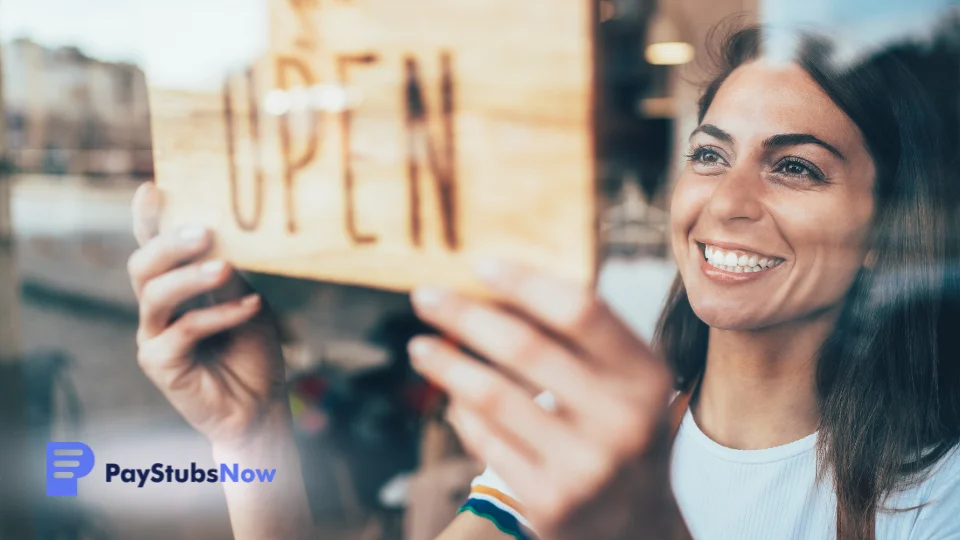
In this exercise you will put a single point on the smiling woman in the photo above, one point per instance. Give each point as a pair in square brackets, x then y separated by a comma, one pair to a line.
[838, 175]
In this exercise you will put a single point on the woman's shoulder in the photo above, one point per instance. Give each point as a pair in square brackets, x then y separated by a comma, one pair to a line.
[938, 498]
[945, 473]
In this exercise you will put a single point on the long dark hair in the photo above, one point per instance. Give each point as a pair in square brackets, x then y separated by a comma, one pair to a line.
[888, 376]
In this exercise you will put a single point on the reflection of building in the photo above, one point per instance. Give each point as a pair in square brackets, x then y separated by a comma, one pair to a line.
[68, 113]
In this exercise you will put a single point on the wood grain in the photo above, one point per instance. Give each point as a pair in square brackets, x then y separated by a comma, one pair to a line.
[467, 133]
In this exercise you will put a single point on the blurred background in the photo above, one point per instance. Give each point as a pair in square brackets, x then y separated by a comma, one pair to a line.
[74, 145]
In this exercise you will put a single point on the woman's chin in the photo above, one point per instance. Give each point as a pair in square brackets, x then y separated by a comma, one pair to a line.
[723, 316]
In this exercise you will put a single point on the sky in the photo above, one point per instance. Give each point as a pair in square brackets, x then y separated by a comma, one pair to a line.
[103, 28]
[862, 26]
[212, 35]
[866, 20]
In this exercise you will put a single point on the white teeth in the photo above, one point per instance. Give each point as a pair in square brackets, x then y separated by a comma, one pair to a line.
[732, 262]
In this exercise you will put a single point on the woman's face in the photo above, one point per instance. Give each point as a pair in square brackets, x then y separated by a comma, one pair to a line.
[770, 217]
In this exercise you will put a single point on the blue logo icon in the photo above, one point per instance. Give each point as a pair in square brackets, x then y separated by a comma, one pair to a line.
[67, 462]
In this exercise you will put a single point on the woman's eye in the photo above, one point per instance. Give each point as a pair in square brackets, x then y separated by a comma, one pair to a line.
[792, 167]
[705, 157]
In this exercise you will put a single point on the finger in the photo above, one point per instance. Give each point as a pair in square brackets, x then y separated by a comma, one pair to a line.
[162, 295]
[510, 342]
[454, 418]
[235, 287]
[502, 403]
[572, 311]
[146, 205]
[168, 354]
[516, 468]
[617, 409]
[164, 253]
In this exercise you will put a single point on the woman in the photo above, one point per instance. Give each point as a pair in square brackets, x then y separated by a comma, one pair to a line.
[808, 330]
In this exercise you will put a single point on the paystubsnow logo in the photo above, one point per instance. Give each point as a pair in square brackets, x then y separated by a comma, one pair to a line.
[67, 462]
[165, 474]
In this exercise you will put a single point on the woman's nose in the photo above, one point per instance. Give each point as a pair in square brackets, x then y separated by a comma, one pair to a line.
[737, 196]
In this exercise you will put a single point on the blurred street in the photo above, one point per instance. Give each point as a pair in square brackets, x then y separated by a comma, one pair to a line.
[74, 234]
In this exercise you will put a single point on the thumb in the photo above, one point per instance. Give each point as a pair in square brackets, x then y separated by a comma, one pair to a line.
[147, 205]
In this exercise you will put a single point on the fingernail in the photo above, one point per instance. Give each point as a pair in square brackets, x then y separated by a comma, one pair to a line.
[192, 234]
[428, 297]
[490, 270]
[212, 268]
[420, 347]
[250, 300]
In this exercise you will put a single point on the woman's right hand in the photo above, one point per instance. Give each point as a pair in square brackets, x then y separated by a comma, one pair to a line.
[219, 362]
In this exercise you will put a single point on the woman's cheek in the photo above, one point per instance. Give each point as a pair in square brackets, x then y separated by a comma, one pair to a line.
[684, 210]
[828, 258]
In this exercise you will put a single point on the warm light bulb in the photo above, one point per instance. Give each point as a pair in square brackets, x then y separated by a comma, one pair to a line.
[671, 53]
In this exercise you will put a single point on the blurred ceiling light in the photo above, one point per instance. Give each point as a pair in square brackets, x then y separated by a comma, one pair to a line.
[657, 107]
[666, 45]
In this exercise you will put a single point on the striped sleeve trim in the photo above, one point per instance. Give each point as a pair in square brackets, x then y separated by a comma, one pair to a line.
[499, 496]
[503, 519]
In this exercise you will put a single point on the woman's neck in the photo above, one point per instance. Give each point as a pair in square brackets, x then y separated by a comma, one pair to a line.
[759, 387]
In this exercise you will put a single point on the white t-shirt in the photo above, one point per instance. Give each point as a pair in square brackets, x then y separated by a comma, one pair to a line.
[773, 493]
[727, 494]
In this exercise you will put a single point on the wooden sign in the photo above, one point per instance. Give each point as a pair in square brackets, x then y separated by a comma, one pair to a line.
[389, 143]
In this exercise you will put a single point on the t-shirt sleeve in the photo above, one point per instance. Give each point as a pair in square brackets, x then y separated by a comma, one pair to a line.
[492, 499]
[939, 518]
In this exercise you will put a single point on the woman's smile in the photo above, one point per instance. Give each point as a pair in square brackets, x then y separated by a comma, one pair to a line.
[728, 263]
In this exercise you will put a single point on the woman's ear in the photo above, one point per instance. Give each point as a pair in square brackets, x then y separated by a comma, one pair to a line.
[870, 260]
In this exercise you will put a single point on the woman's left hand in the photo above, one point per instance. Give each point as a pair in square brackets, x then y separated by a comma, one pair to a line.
[597, 466]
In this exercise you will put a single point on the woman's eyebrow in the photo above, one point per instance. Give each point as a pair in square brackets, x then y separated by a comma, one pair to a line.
[794, 139]
[713, 131]
[776, 141]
